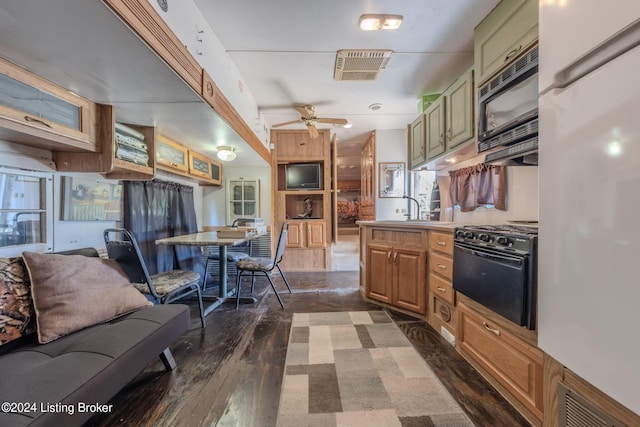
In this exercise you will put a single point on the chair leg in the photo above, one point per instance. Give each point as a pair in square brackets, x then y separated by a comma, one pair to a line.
[201, 306]
[253, 281]
[286, 282]
[275, 290]
[238, 281]
[206, 274]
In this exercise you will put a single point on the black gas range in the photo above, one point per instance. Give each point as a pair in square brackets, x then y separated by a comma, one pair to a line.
[495, 265]
[509, 238]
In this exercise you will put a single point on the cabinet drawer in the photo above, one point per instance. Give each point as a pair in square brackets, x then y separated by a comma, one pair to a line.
[442, 265]
[441, 242]
[441, 288]
[442, 314]
[517, 366]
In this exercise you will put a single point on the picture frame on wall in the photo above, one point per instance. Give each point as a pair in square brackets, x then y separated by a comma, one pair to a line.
[90, 200]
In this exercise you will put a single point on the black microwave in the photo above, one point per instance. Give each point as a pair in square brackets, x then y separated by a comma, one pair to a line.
[508, 105]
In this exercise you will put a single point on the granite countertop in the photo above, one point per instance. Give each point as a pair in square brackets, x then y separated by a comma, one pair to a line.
[428, 225]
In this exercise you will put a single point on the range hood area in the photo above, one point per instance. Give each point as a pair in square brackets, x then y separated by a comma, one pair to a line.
[523, 153]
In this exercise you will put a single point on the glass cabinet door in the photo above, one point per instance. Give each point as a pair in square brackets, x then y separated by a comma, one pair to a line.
[243, 199]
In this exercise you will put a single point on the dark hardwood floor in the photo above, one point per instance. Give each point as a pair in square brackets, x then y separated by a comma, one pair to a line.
[230, 373]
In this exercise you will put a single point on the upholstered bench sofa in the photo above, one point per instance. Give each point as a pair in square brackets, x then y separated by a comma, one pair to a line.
[82, 364]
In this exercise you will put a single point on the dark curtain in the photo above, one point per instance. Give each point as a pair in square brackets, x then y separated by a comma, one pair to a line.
[158, 209]
[479, 185]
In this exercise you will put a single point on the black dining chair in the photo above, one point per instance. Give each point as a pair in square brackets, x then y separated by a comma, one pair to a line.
[253, 265]
[161, 288]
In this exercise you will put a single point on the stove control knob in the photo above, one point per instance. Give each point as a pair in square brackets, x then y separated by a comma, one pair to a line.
[502, 241]
[469, 235]
[459, 233]
[484, 237]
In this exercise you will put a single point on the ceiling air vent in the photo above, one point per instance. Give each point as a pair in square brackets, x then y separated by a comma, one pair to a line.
[361, 64]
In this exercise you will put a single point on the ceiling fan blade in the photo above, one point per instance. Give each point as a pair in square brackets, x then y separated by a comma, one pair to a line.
[333, 121]
[306, 110]
[286, 123]
[313, 132]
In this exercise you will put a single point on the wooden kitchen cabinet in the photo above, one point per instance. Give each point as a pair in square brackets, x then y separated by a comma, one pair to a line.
[460, 107]
[171, 155]
[511, 364]
[396, 261]
[417, 148]
[306, 234]
[37, 112]
[450, 119]
[397, 276]
[442, 309]
[510, 29]
[208, 171]
[435, 125]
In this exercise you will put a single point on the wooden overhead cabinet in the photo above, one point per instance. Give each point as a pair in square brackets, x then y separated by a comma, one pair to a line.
[417, 149]
[36, 112]
[510, 29]
[113, 160]
[450, 119]
[207, 170]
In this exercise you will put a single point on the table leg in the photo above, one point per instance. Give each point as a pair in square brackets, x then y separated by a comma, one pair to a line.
[223, 293]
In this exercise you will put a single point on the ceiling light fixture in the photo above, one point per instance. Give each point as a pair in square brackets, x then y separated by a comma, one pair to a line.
[380, 22]
[347, 125]
[226, 153]
[375, 107]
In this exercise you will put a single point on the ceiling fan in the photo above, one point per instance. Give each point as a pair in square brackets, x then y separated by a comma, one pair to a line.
[309, 118]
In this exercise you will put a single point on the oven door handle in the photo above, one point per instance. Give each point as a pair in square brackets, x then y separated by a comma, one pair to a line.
[490, 255]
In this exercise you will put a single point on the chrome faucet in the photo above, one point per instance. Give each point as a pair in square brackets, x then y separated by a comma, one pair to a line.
[417, 207]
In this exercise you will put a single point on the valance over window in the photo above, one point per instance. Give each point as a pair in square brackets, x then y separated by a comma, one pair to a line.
[479, 185]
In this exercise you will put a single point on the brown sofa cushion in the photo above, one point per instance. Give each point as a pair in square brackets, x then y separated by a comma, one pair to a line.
[16, 307]
[72, 292]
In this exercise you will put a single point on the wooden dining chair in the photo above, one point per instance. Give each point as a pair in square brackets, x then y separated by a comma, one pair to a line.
[161, 288]
[259, 265]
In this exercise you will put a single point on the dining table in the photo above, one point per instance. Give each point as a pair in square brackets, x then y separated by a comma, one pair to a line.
[211, 238]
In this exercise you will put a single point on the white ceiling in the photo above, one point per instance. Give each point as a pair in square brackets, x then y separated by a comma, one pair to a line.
[286, 49]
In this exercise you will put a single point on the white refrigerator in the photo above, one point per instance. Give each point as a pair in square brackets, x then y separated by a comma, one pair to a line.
[589, 192]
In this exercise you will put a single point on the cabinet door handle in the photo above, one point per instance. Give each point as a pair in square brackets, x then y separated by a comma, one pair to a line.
[389, 257]
[449, 134]
[490, 329]
[395, 258]
[442, 266]
[441, 243]
[511, 53]
[441, 289]
[441, 138]
[32, 119]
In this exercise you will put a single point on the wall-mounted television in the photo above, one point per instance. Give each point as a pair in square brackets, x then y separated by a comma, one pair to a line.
[303, 176]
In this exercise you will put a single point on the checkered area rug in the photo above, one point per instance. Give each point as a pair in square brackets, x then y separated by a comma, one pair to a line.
[358, 369]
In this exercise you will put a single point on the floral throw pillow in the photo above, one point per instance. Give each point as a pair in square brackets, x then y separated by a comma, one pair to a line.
[16, 305]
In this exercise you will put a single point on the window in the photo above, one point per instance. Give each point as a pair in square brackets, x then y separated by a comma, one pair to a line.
[422, 183]
[25, 223]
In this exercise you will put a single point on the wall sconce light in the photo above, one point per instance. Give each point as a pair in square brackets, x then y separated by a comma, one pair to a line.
[380, 22]
[226, 153]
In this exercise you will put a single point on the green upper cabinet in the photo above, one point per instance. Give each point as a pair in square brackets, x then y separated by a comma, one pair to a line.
[460, 107]
[435, 128]
[417, 150]
[510, 28]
